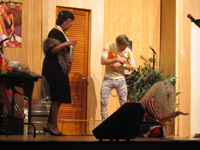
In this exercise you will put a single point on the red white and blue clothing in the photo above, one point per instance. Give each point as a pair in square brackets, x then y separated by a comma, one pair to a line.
[149, 122]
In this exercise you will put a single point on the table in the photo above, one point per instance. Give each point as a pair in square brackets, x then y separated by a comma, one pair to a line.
[24, 81]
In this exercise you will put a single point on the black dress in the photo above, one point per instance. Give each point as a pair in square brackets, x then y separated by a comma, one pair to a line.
[58, 82]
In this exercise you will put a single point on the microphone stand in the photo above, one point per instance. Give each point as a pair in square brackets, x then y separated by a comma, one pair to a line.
[196, 21]
[1, 43]
[153, 60]
[154, 53]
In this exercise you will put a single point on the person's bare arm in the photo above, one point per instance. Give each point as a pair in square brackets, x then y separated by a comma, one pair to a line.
[106, 61]
[59, 47]
[12, 27]
[129, 67]
[172, 115]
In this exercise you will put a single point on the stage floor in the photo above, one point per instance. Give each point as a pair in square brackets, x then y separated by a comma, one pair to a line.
[89, 142]
[90, 138]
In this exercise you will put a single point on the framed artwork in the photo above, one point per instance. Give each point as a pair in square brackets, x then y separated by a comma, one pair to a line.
[10, 23]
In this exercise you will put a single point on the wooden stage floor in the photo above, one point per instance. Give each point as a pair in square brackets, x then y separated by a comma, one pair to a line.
[88, 142]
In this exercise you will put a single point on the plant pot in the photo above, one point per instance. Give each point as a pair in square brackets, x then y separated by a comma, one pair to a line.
[169, 127]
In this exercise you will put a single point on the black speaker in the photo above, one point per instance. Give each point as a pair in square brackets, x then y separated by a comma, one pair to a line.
[122, 124]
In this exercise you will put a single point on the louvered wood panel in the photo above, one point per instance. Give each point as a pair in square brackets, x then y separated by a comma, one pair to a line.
[77, 109]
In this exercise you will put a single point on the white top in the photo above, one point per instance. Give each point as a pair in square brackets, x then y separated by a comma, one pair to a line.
[111, 72]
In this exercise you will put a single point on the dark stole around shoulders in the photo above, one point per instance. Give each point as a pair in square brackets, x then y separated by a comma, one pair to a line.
[54, 33]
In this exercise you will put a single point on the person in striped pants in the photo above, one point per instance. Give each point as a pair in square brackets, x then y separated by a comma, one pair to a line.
[115, 63]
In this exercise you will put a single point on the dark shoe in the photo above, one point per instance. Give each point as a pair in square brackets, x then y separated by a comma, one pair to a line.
[46, 130]
[59, 134]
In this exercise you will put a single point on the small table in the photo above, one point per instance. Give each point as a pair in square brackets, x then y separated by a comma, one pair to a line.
[27, 81]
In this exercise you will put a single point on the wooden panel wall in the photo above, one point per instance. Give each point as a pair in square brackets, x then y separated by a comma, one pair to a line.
[31, 51]
[168, 42]
[177, 52]
[168, 37]
[140, 21]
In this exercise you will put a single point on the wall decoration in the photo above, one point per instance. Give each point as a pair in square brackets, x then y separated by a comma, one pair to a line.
[10, 24]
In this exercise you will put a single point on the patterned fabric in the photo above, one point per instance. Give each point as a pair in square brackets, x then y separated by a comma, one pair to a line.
[151, 111]
[151, 114]
[147, 127]
[106, 88]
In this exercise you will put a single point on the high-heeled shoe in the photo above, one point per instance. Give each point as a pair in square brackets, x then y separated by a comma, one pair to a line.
[59, 134]
[46, 130]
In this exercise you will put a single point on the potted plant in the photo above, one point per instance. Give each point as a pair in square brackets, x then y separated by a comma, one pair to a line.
[142, 79]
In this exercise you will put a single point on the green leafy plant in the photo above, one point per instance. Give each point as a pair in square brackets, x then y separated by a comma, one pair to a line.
[143, 78]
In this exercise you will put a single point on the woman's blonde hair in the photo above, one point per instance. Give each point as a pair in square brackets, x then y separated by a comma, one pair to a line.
[6, 7]
[164, 94]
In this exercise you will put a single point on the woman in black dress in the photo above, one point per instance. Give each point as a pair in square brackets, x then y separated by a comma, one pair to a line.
[58, 50]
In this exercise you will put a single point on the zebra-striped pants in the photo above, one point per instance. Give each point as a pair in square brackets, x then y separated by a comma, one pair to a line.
[106, 88]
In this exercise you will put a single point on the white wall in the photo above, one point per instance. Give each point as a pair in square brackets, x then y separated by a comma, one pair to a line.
[195, 79]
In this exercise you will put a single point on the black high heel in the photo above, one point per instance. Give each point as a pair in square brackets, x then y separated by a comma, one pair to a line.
[59, 134]
[46, 130]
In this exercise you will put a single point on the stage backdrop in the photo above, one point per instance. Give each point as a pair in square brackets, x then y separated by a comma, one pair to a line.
[195, 82]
